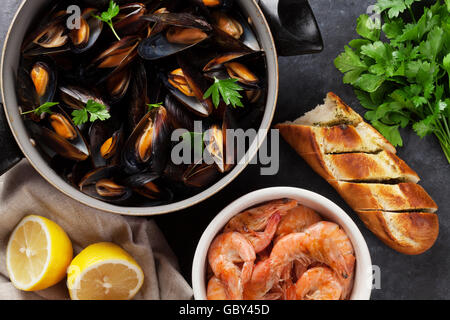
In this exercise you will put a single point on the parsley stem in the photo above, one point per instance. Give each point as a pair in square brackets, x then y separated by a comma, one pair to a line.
[110, 24]
[412, 14]
[27, 112]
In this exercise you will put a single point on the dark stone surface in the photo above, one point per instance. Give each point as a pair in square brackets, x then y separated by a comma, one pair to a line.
[304, 81]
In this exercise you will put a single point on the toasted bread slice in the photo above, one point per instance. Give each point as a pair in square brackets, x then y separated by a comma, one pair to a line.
[333, 112]
[361, 167]
[407, 232]
[337, 139]
[385, 197]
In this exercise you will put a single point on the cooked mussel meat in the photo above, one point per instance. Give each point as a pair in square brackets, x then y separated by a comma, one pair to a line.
[49, 38]
[115, 58]
[148, 146]
[185, 31]
[84, 37]
[214, 145]
[228, 24]
[62, 126]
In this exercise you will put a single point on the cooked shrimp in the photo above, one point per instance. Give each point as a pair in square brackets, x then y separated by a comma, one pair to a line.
[332, 242]
[296, 220]
[261, 240]
[216, 290]
[318, 283]
[323, 242]
[256, 219]
[262, 281]
[226, 251]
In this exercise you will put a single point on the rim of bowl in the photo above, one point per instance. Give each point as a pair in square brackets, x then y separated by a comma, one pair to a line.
[43, 168]
[363, 273]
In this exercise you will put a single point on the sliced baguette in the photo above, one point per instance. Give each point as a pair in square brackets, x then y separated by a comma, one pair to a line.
[385, 197]
[407, 232]
[333, 112]
[361, 167]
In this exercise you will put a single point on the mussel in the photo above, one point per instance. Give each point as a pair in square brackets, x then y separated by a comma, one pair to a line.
[200, 174]
[185, 31]
[137, 98]
[119, 55]
[48, 38]
[105, 184]
[214, 145]
[147, 149]
[86, 36]
[117, 85]
[77, 97]
[106, 141]
[60, 137]
[36, 84]
[128, 22]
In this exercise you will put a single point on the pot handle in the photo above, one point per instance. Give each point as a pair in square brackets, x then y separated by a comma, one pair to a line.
[293, 26]
[10, 153]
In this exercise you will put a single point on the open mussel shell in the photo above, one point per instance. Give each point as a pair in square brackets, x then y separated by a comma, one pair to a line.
[147, 149]
[196, 83]
[106, 143]
[119, 55]
[200, 174]
[219, 61]
[234, 70]
[49, 38]
[77, 97]
[105, 184]
[36, 85]
[148, 186]
[128, 22]
[184, 32]
[86, 36]
[214, 145]
[60, 137]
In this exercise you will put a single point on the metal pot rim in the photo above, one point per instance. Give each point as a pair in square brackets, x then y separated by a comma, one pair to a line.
[47, 173]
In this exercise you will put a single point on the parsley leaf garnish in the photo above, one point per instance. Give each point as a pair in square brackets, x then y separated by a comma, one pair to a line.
[92, 112]
[404, 80]
[154, 105]
[108, 15]
[45, 108]
[228, 89]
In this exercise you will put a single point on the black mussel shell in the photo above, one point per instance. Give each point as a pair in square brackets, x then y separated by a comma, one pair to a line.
[137, 98]
[128, 22]
[85, 37]
[49, 38]
[117, 85]
[106, 143]
[105, 184]
[178, 115]
[119, 55]
[51, 143]
[147, 149]
[192, 29]
[199, 175]
[77, 97]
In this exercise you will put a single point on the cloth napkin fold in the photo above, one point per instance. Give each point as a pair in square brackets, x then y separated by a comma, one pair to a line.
[23, 191]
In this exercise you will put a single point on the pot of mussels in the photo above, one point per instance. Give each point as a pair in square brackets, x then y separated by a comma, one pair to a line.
[125, 106]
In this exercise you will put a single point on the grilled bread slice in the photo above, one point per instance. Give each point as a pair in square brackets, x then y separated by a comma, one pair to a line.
[406, 232]
[386, 197]
[382, 166]
[362, 166]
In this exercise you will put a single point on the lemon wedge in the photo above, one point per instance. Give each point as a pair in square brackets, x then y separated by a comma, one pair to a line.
[104, 271]
[38, 254]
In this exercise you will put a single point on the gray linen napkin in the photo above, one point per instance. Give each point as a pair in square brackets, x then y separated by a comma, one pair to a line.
[23, 191]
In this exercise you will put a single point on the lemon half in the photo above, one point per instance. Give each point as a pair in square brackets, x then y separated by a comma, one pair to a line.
[104, 271]
[38, 254]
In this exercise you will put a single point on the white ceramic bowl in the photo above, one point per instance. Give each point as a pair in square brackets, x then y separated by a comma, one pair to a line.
[326, 208]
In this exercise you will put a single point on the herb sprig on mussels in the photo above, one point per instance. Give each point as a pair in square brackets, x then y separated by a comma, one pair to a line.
[109, 15]
[228, 89]
[404, 80]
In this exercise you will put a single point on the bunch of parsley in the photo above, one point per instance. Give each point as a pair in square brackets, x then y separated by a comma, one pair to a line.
[403, 80]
